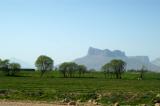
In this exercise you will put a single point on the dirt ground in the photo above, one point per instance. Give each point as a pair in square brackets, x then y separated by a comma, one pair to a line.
[12, 103]
[30, 103]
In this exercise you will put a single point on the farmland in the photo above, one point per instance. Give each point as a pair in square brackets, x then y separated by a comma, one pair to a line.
[93, 86]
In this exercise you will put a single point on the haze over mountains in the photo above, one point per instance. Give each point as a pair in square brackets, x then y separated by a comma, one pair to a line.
[23, 63]
[96, 58]
[156, 62]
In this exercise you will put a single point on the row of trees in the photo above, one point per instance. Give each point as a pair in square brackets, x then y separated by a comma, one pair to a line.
[10, 69]
[68, 69]
[114, 69]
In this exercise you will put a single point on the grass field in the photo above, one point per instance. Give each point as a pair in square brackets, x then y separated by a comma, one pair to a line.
[52, 87]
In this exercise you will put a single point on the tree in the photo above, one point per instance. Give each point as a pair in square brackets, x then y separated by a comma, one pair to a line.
[142, 71]
[63, 69]
[81, 70]
[115, 67]
[14, 68]
[68, 69]
[44, 64]
[119, 67]
[72, 68]
[106, 69]
[9, 68]
[4, 66]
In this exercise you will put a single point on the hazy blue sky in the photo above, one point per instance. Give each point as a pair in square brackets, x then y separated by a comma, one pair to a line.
[64, 29]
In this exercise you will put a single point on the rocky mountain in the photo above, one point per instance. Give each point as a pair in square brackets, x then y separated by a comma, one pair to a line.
[96, 58]
[156, 62]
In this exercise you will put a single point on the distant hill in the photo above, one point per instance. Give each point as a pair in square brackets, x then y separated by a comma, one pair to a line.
[156, 62]
[96, 58]
[23, 63]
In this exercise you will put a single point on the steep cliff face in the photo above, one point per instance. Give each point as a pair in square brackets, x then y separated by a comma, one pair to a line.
[106, 52]
[96, 58]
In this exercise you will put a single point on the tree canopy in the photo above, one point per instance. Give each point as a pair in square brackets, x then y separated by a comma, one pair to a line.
[44, 64]
[81, 70]
[116, 67]
[10, 69]
[14, 68]
[68, 69]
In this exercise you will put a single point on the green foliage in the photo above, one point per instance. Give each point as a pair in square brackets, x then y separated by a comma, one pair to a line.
[116, 67]
[10, 69]
[108, 69]
[81, 70]
[4, 66]
[14, 68]
[68, 69]
[44, 64]
[126, 91]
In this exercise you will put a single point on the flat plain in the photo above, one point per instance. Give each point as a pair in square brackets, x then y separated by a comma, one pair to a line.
[28, 86]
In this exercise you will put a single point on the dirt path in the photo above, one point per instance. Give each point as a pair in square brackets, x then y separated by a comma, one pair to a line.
[30, 103]
[9, 103]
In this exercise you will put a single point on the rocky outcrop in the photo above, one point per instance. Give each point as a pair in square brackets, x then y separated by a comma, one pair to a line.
[96, 58]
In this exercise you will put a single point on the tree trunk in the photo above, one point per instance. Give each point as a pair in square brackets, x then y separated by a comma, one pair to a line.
[117, 77]
[105, 75]
[42, 73]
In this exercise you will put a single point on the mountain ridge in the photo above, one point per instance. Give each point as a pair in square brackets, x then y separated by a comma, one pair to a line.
[96, 58]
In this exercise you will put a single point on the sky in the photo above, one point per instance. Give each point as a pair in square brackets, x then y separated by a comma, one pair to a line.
[65, 29]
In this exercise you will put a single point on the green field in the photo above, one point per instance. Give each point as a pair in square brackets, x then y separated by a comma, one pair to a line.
[52, 87]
